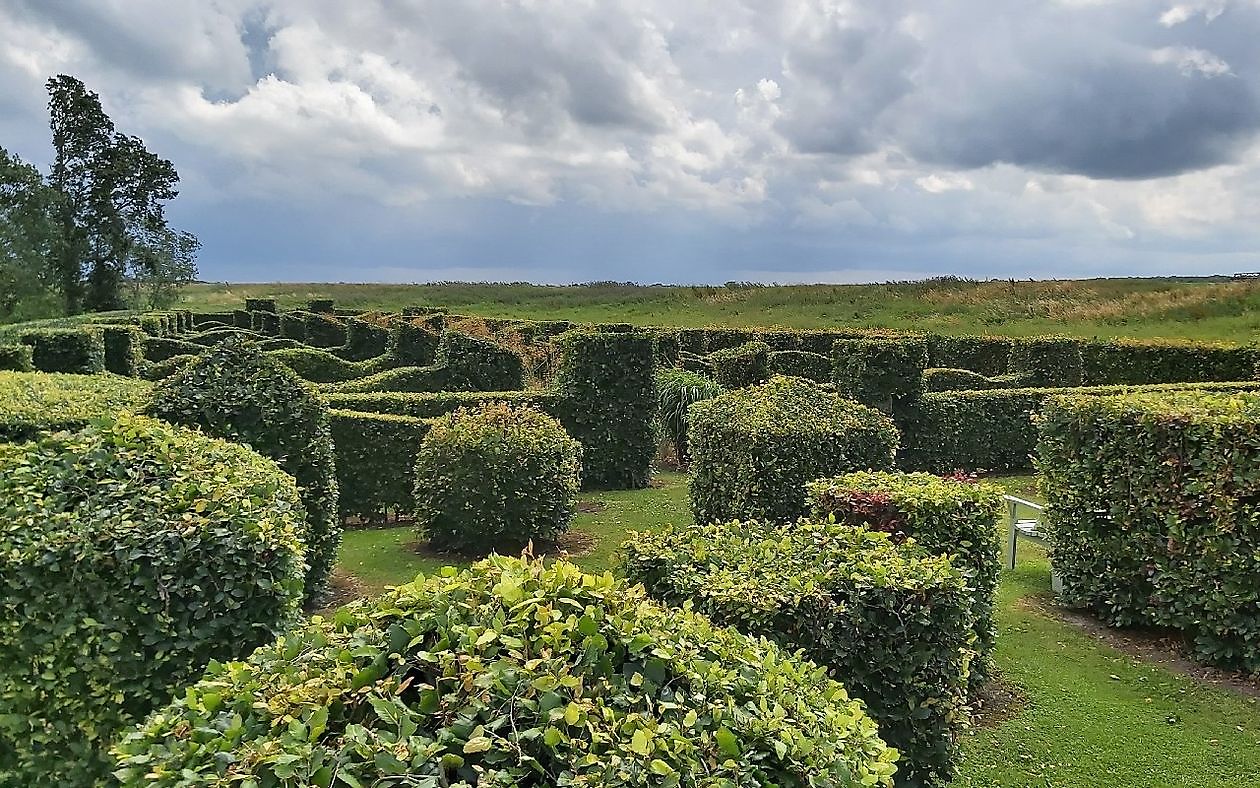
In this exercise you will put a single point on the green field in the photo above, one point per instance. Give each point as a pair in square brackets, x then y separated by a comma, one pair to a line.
[1208, 309]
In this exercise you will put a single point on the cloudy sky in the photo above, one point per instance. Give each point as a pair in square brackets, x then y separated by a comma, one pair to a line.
[667, 141]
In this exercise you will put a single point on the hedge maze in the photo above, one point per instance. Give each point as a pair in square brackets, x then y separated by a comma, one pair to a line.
[174, 488]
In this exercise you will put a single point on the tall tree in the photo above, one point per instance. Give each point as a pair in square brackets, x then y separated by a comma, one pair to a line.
[30, 240]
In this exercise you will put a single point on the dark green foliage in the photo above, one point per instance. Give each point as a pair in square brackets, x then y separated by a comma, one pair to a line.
[80, 351]
[983, 355]
[668, 346]
[160, 349]
[743, 365]
[883, 373]
[35, 402]
[216, 335]
[242, 319]
[430, 405]
[477, 364]
[607, 382]
[939, 379]
[691, 340]
[267, 323]
[152, 324]
[601, 687]
[413, 344]
[315, 365]
[813, 340]
[676, 390]
[400, 379]
[203, 320]
[293, 325]
[894, 624]
[235, 392]
[1048, 361]
[16, 358]
[944, 516]
[123, 349]
[376, 460]
[324, 331]
[280, 343]
[1153, 507]
[160, 370]
[324, 305]
[721, 338]
[131, 555]
[495, 478]
[260, 305]
[1134, 361]
[754, 449]
[363, 340]
[801, 364]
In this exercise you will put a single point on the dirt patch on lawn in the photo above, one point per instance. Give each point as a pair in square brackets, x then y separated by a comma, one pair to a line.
[574, 543]
[591, 507]
[343, 588]
[998, 701]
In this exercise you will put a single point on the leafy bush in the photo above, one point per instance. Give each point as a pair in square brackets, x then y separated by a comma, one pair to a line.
[260, 305]
[600, 687]
[265, 323]
[883, 373]
[36, 402]
[1048, 361]
[79, 351]
[754, 449]
[376, 458]
[801, 364]
[743, 365]
[242, 319]
[944, 516]
[940, 379]
[893, 623]
[235, 392]
[400, 379]
[495, 477]
[16, 358]
[318, 366]
[1153, 511]
[720, 338]
[984, 355]
[132, 554]
[123, 349]
[413, 344]
[324, 330]
[676, 391]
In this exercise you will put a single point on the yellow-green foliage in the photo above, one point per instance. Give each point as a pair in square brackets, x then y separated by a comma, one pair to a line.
[35, 402]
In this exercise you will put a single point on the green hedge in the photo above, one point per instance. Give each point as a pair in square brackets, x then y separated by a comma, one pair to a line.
[1153, 511]
[216, 335]
[1048, 361]
[495, 478]
[743, 365]
[79, 351]
[883, 373]
[942, 379]
[293, 325]
[801, 364]
[376, 460]
[160, 370]
[266, 323]
[242, 319]
[234, 391]
[320, 305]
[993, 430]
[16, 358]
[677, 390]
[478, 364]
[985, 355]
[324, 331]
[1138, 361]
[315, 365]
[894, 624]
[944, 516]
[201, 319]
[162, 348]
[156, 551]
[604, 688]
[400, 379]
[428, 405]
[364, 340]
[413, 344]
[754, 449]
[124, 349]
[260, 305]
[36, 402]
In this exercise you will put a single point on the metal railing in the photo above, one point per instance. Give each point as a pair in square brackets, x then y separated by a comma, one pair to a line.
[1027, 527]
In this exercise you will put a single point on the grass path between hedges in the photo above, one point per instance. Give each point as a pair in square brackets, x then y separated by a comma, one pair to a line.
[1090, 715]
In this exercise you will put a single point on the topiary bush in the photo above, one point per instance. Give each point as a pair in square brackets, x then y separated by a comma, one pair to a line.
[235, 392]
[944, 516]
[984, 355]
[16, 358]
[162, 348]
[1153, 514]
[495, 477]
[36, 402]
[132, 554]
[123, 349]
[883, 373]
[160, 370]
[512, 674]
[743, 365]
[801, 364]
[1048, 361]
[80, 351]
[376, 458]
[892, 622]
[677, 390]
[754, 449]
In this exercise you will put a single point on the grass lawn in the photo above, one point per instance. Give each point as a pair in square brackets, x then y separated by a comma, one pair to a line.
[1091, 715]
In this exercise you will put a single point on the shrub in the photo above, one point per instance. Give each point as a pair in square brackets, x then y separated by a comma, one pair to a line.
[267, 323]
[36, 402]
[495, 477]
[161, 348]
[754, 449]
[216, 335]
[478, 364]
[940, 379]
[376, 460]
[1153, 511]
[160, 370]
[944, 516]
[721, 338]
[234, 391]
[432, 404]
[677, 390]
[983, 355]
[413, 344]
[123, 349]
[152, 324]
[203, 320]
[363, 340]
[320, 305]
[293, 325]
[1048, 361]
[79, 351]
[260, 305]
[324, 330]
[242, 319]
[743, 365]
[607, 385]
[400, 379]
[893, 623]
[157, 550]
[801, 364]
[16, 358]
[1138, 361]
[316, 365]
[883, 373]
[668, 346]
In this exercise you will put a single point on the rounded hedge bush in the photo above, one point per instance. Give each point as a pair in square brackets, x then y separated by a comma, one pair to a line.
[754, 449]
[132, 553]
[495, 477]
[17, 358]
[236, 392]
[511, 674]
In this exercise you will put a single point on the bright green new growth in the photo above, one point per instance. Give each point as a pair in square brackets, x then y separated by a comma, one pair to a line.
[511, 674]
[35, 402]
[131, 555]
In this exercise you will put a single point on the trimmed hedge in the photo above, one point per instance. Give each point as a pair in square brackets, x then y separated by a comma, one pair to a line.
[160, 370]
[941, 379]
[79, 351]
[944, 516]
[260, 305]
[234, 391]
[324, 331]
[318, 366]
[216, 335]
[16, 358]
[242, 319]
[413, 344]
[477, 364]
[801, 364]
[400, 379]
[376, 460]
[495, 477]
[266, 323]
[743, 365]
[35, 402]
[428, 405]
[123, 349]
[293, 325]
[156, 551]
[1153, 511]
[1048, 361]
[364, 340]
[985, 355]
[603, 688]
[754, 449]
[882, 373]
[320, 305]
[1138, 361]
[894, 624]
[161, 348]
[677, 390]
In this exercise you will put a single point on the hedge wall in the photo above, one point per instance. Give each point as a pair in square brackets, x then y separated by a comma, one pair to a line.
[893, 623]
[162, 348]
[1153, 508]
[413, 344]
[124, 349]
[260, 305]
[79, 351]
[320, 305]
[363, 340]
[293, 325]
[376, 458]
[35, 402]
[985, 355]
[315, 365]
[743, 365]
[1048, 361]
[754, 449]
[190, 552]
[942, 379]
[477, 364]
[883, 373]
[1131, 361]
[801, 364]
[324, 331]
[427, 405]
[605, 687]
[16, 358]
